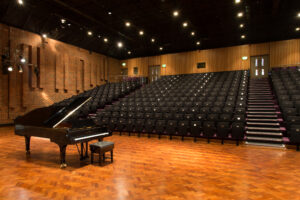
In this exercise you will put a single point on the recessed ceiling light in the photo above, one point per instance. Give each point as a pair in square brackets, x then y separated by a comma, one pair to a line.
[69, 24]
[243, 36]
[141, 32]
[127, 24]
[63, 21]
[152, 40]
[240, 14]
[129, 52]
[90, 33]
[184, 24]
[105, 39]
[237, 1]
[197, 43]
[99, 36]
[241, 25]
[298, 29]
[175, 13]
[44, 35]
[109, 13]
[20, 2]
[120, 44]
[298, 14]
[161, 48]
[192, 33]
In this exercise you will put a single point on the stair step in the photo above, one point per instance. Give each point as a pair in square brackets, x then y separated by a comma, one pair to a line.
[264, 133]
[260, 98]
[264, 139]
[263, 128]
[258, 106]
[265, 144]
[263, 116]
[262, 109]
[259, 93]
[263, 124]
[263, 120]
[260, 112]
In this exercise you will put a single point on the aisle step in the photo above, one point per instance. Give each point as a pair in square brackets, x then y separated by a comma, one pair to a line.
[263, 120]
[265, 144]
[265, 139]
[263, 123]
[262, 109]
[265, 113]
[263, 128]
[263, 116]
[277, 134]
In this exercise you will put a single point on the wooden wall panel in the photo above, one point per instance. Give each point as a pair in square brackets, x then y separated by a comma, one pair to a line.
[259, 49]
[59, 68]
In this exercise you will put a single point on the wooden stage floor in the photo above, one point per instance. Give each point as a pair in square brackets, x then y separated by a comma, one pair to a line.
[149, 169]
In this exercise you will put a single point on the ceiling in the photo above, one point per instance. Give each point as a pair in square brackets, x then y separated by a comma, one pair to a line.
[214, 22]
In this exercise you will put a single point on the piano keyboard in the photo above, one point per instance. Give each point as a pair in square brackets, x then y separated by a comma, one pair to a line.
[91, 136]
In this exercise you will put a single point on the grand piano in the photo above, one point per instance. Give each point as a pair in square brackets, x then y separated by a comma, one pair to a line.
[57, 124]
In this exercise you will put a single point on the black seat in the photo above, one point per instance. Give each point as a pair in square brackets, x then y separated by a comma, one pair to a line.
[209, 129]
[223, 130]
[237, 131]
[183, 128]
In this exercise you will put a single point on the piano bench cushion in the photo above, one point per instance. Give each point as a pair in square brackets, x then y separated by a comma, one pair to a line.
[102, 147]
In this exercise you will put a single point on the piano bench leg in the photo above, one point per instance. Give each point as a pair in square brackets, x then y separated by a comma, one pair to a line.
[92, 157]
[112, 156]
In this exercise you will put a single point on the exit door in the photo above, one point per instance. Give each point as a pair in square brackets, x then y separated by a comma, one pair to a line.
[259, 66]
[154, 73]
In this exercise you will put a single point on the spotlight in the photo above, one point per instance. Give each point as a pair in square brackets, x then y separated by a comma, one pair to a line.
[298, 15]
[10, 68]
[185, 24]
[123, 64]
[152, 40]
[240, 14]
[23, 60]
[192, 33]
[129, 52]
[141, 32]
[90, 33]
[69, 25]
[161, 48]
[44, 36]
[127, 24]
[241, 25]
[120, 44]
[298, 29]
[198, 43]
[109, 13]
[20, 2]
[243, 36]
[237, 1]
[105, 39]
[99, 36]
[63, 21]
[20, 69]
[175, 13]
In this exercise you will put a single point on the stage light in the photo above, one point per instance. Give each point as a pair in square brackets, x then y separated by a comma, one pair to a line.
[161, 48]
[20, 2]
[141, 32]
[109, 13]
[129, 52]
[243, 36]
[63, 21]
[105, 39]
[192, 33]
[241, 25]
[152, 40]
[298, 29]
[90, 33]
[237, 1]
[120, 44]
[298, 15]
[240, 14]
[127, 24]
[197, 43]
[175, 13]
[185, 24]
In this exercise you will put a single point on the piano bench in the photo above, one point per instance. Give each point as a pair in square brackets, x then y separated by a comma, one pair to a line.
[101, 148]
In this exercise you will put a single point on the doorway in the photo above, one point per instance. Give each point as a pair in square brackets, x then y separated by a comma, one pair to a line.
[154, 73]
[259, 66]
[124, 72]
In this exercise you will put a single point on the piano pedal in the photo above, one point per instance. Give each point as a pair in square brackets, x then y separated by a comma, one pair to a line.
[63, 165]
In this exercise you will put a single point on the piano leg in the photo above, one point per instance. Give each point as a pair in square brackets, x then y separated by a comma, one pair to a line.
[62, 149]
[27, 142]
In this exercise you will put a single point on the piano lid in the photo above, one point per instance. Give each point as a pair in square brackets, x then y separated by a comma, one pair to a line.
[65, 112]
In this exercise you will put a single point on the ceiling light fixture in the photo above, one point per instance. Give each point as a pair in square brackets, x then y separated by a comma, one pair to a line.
[237, 1]
[152, 40]
[90, 33]
[120, 44]
[99, 36]
[63, 21]
[175, 13]
[109, 13]
[127, 24]
[129, 52]
[240, 14]
[20, 2]
[298, 29]
[197, 43]
[105, 39]
[123, 64]
[10, 69]
[69, 24]
[23, 60]
[185, 24]
[192, 33]
[298, 15]
[161, 48]
[141, 32]
[243, 36]
[241, 25]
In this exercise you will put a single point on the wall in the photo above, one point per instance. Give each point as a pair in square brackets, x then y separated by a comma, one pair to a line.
[282, 53]
[65, 70]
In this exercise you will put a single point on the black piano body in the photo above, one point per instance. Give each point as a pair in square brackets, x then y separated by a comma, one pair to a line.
[54, 122]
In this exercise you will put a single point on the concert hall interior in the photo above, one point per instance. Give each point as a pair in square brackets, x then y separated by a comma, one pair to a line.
[149, 99]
